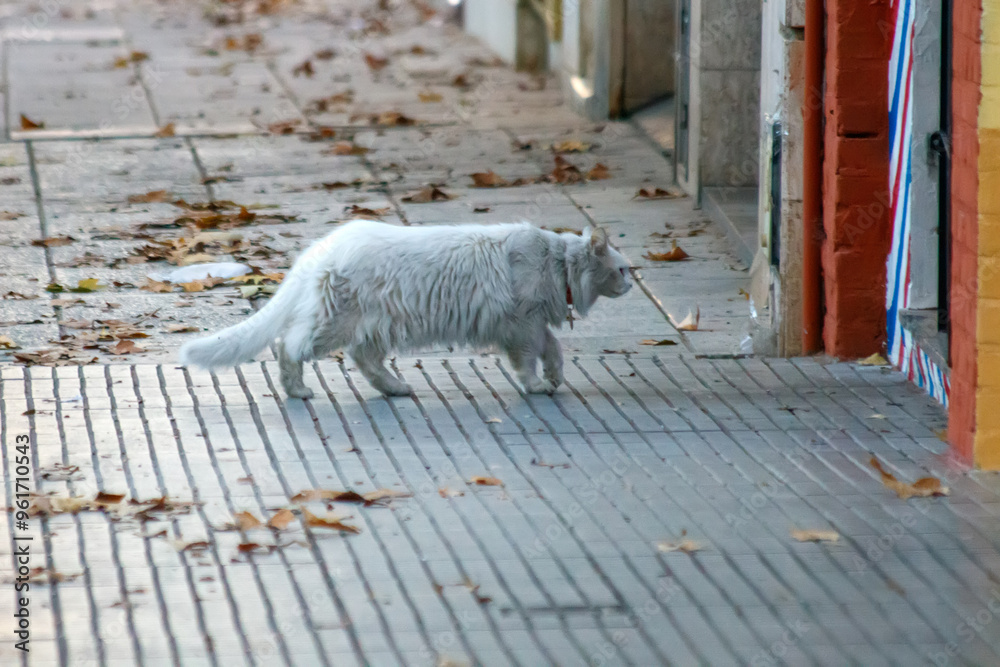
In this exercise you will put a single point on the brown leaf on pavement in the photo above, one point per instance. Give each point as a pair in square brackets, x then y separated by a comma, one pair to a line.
[53, 241]
[816, 535]
[571, 146]
[328, 521]
[325, 54]
[122, 62]
[374, 62]
[356, 211]
[305, 68]
[182, 328]
[250, 547]
[565, 172]
[428, 194]
[691, 322]
[156, 286]
[247, 521]
[7, 343]
[687, 546]
[488, 179]
[429, 96]
[391, 118]
[105, 498]
[165, 131]
[486, 481]
[281, 519]
[658, 343]
[599, 172]
[345, 148]
[28, 124]
[445, 492]
[922, 488]
[151, 197]
[369, 498]
[675, 254]
[289, 126]
[126, 346]
[655, 193]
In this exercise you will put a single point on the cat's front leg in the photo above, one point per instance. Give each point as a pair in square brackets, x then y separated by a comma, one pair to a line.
[552, 360]
[524, 359]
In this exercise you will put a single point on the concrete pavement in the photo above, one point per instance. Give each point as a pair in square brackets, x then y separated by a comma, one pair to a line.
[643, 515]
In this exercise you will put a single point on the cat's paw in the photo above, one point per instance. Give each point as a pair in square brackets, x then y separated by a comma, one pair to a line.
[397, 389]
[299, 392]
[538, 386]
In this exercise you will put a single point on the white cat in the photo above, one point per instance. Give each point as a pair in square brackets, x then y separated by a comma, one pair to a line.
[373, 288]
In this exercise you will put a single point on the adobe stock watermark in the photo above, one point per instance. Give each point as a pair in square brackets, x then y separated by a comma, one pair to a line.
[968, 629]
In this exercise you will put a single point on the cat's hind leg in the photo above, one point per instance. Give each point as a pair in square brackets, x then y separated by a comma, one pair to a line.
[291, 373]
[370, 363]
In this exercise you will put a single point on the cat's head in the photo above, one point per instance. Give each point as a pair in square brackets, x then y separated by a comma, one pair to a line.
[610, 272]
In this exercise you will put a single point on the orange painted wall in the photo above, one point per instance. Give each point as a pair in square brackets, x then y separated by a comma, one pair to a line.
[855, 178]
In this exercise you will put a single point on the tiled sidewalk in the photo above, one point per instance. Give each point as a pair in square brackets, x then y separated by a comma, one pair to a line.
[567, 563]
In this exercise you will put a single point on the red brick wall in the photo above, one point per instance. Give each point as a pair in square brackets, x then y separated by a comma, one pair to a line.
[965, 96]
[856, 216]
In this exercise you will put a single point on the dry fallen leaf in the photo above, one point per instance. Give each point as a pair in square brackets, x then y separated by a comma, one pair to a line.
[445, 492]
[428, 194]
[250, 547]
[486, 481]
[6, 343]
[345, 148]
[659, 343]
[247, 521]
[922, 488]
[305, 68]
[182, 328]
[687, 546]
[874, 360]
[151, 197]
[281, 519]
[105, 498]
[165, 131]
[182, 546]
[369, 498]
[356, 211]
[126, 346]
[376, 63]
[565, 172]
[430, 96]
[598, 172]
[816, 535]
[328, 521]
[675, 254]
[156, 286]
[571, 146]
[690, 323]
[53, 241]
[28, 124]
[488, 179]
[655, 193]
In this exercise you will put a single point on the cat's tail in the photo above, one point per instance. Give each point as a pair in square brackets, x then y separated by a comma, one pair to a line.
[241, 342]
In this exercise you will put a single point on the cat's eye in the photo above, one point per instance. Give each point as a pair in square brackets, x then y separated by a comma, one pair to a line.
[623, 270]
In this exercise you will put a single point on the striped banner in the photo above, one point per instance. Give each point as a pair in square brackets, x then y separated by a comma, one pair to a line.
[903, 349]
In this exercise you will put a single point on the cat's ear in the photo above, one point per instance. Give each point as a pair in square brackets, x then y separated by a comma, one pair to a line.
[598, 240]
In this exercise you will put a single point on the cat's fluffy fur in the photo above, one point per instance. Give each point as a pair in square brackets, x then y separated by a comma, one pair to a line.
[373, 288]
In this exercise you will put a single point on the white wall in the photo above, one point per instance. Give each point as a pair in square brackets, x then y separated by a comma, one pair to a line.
[494, 22]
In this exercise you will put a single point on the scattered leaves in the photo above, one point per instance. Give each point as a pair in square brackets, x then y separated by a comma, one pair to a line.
[658, 343]
[687, 546]
[53, 241]
[655, 193]
[328, 521]
[874, 360]
[486, 481]
[690, 323]
[816, 535]
[427, 194]
[151, 197]
[247, 521]
[675, 254]
[922, 488]
[166, 131]
[125, 346]
[305, 68]
[27, 124]
[281, 519]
